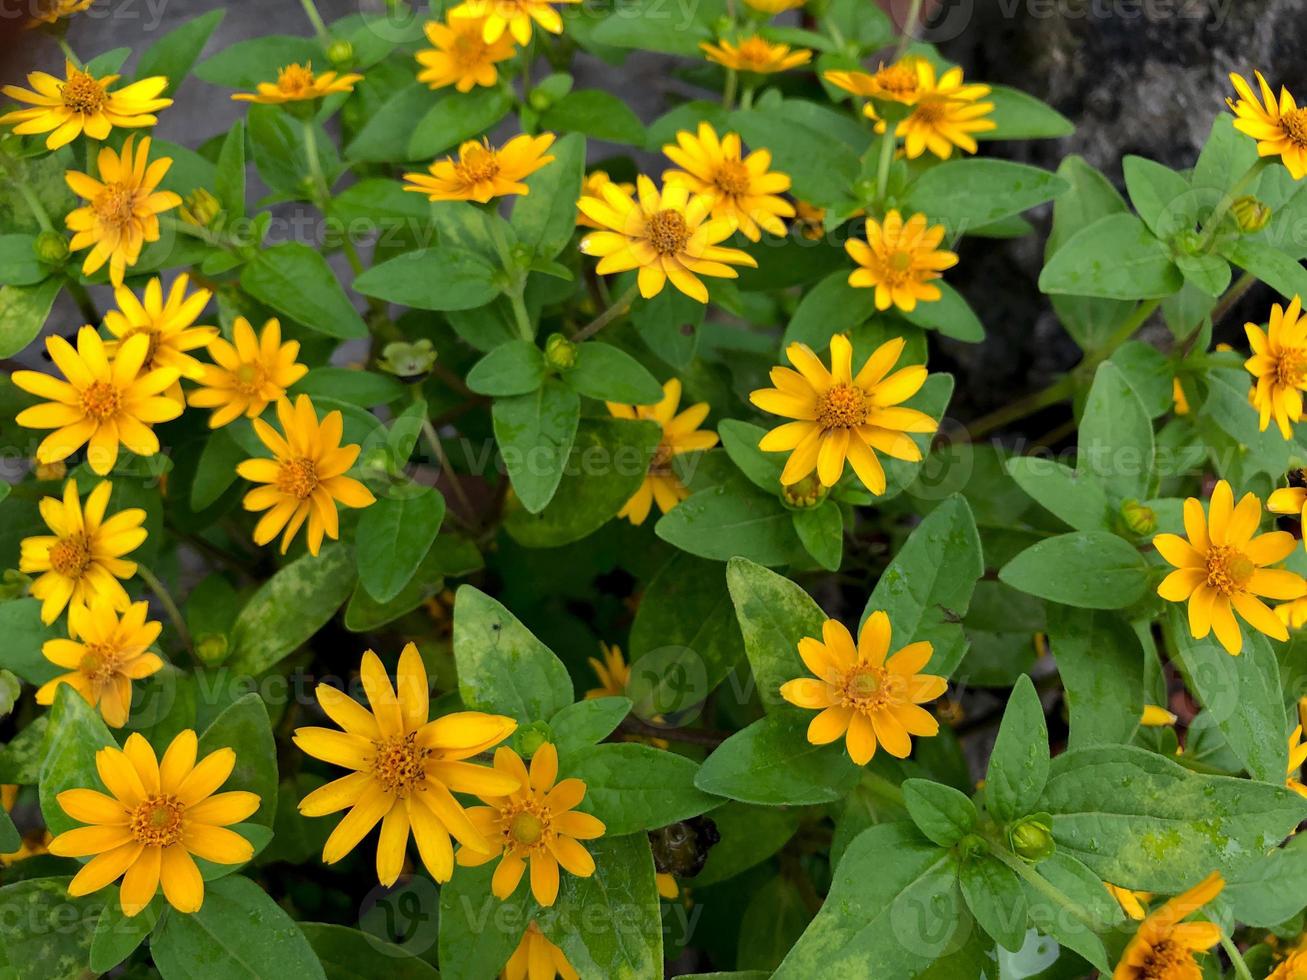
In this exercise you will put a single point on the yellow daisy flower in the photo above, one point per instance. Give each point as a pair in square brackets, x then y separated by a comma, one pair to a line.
[159, 815]
[681, 434]
[946, 115]
[1222, 568]
[52, 11]
[102, 403]
[514, 17]
[613, 671]
[1293, 967]
[594, 187]
[482, 172]
[898, 259]
[667, 235]
[1297, 756]
[1279, 366]
[810, 220]
[83, 103]
[755, 54]
[122, 209]
[249, 375]
[743, 189]
[904, 81]
[460, 55]
[774, 7]
[1163, 947]
[537, 823]
[536, 958]
[840, 415]
[305, 479]
[1133, 904]
[83, 558]
[1278, 125]
[404, 766]
[169, 324]
[108, 654]
[298, 83]
[862, 696]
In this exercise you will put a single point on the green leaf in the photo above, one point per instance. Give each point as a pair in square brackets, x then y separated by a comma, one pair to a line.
[1209, 273]
[514, 368]
[1018, 766]
[394, 535]
[951, 315]
[545, 219]
[229, 173]
[649, 26]
[75, 734]
[669, 325]
[438, 278]
[1283, 274]
[44, 933]
[10, 839]
[246, 63]
[732, 520]
[772, 763]
[773, 921]
[174, 54]
[1116, 436]
[1269, 891]
[535, 433]
[19, 265]
[502, 667]
[605, 372]
[364, 389]
[117, 936]
[23, 312]
[1226, 156]
[596, 113]
[244, 728]
[633, 787]
[1116, 257]
[830, 307]
[25, 634]
[1084, 888]
[1160, 195]
[940, 812]
[749, 835]
[821, 529]
[1100, 663]
[455, 118]
[1086, 569]
[296, 281]
[1074, 497]
[1018, 116]
[806, 141]
[349, 954]
[965, 194]
[587, 723]
[995, 897]
[478, 932]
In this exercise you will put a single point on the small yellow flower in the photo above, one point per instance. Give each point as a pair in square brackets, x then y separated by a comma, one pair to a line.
[83, 558]
[810, 220]
[108, 654]
[946, 115]
[1163, 947]
[512, 16]
[842, 416]
[899, 259]
[1293, 966]
[743, 189]
[666, 235]
[1278, 125]
[536, 958]
[298, 83]
[666, 886]
[1279, 366]
[1221, 568]
[52, 11]
[613, 671]
[249, 375]
[159, 816]
[1155, 716]
[904, 81]
[774, 7]
[305, 479]
[169, 324]
[755, 54]
[594, 187]
[83, 103]
[102, 404]
[404, 767]
[483, 172]
[33, 844]
[122, 209]
[1134, 904]
[1179, 398]
[862, 696]
[681, 434]
[460, 55]
[536, 823]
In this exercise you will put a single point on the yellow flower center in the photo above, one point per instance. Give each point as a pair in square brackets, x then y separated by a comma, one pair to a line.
[755, 53]
[250, 379]
[931, 112]
[1295, 127]
[526, 825]
[842, 407]
[469, 50]
[662, 460]
[1291, 367]
[115, 206]
[893, 269]
[101, 400]
[732, 178]
[99, 663]
[298, 478]
[667, 232]
[866, 688]
[1169, 961]
[1228, 570]
[477, 164]
[152, 336]
[295, 80]
[897, 81]
[71, 556]
[401, 765]
[82, 93]
[157, 822]
[526, 828]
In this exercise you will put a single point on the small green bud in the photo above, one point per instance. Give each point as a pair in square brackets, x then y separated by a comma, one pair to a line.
[531, 737]
[200, 208]
[411, 362]
[51, 247]
[723, 27]
[805, 494]
[1031, 838]
[13, 584]
[1250, 214]
[539, 100]
[1188, 242]
[560, 353]
[211, 648]
[340, 54]
[865, 190]
[1140, 519]
[971, 845]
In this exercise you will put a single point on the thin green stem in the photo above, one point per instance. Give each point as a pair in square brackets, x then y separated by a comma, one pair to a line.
[1236, 958]
[909, 27]
[1127, 330]
[728, 93]
[1058, 391]
[322, 192]
[1042, 885]
[746, 97]
[29, 196]
[619, 307]
[315, 18]
[68, 51]
[169, 605]
[887, 144]
[1232, 295]
[438, 449]
[517, 297]
[1208, 233]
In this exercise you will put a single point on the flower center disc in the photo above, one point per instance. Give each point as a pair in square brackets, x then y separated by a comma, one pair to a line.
[250, 379]
[295, 79]
[842, 407]
[99, 662]
[82, 93]
[152, 336]
[1228, 570]
[70, 556]
[527, 828]
[1291, 367]
[897, 80]
[298, 477]
[732, 178]
[668, 232]
[866, 687]
[116, 205]
[101, 400]
[1295, 127]
[157, 822]
[1168, 961]
[478, 164]
[400, 766]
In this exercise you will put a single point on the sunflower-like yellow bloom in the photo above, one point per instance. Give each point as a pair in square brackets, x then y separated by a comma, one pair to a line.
[83, 558]
[536, 823]
[1134, 904]
[864, 695]
[1278, 125]
[1163, 947]
[249, 375]
[904, 81]
[774, 7]
[404, 766]
[108, 654]
[83, 103]
[102, 403]
[755, 54]
[594, 187]
[842, 416]
[681, 434]
[1279, 366]
[1222, 568]
[298, 83]
[613, 672]
[514, 17]
[169, 324]
[482, 172]
[899, 259]
[947, 114]
[666, 235]
[1293, 967]
[122, 207]
[536, 958]
[1297, 756]
[459, 54]
[305, 479]
[743, 189]
[159, 815]
[52, 11]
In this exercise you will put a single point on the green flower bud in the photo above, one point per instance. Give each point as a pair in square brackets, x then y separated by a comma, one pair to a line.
[560, 353]
[530, 737]
[13, 584]
[51, 247]
[1140, 519]
[1250, 214]
[411, 362]
[805, 494]
[1031, 838]
[200, 208]
[340, 54]
[211, 648]
[539, 100]
[865, 190]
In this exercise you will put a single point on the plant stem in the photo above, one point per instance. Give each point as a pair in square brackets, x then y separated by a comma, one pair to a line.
[68, 51]
[1043, 885]
[622, 304]
[1127, 330]
[887, 144]
[29, 196]
[322, 192]
[746, 97]
[909, 26]
[169, 606]
[521, 314]
[1208, 232]
[438, 449]
[315, 18]
[1236, 958]
[1232, 296]
[728, 94]
[1059, 390]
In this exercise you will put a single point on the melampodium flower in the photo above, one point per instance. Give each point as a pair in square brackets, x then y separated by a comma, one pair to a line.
[249, 374]
[1221, 568]
[536, 958]
[536, 823]
[168, 324]
[681, 434]
[1133, 904]
[297, 83]
[404, 768]
[594, 187]
[1278, 125]
[755, 54]
[840, 415]
[83, 103]
[84, 556]
[1279, 366]
[774, 7]
[1293, 967]
[667, 235]
[863, 696]
[52, 11]
[899, 259]
[159, 815]
[122, 209]
[306, 477]
[1163, 947]
[613, 672]
[108, 654]
[482, 172]
[512, 16]
[946, 115]
[743, 189]
[902, 82]
[101, 404]
[460, 55]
